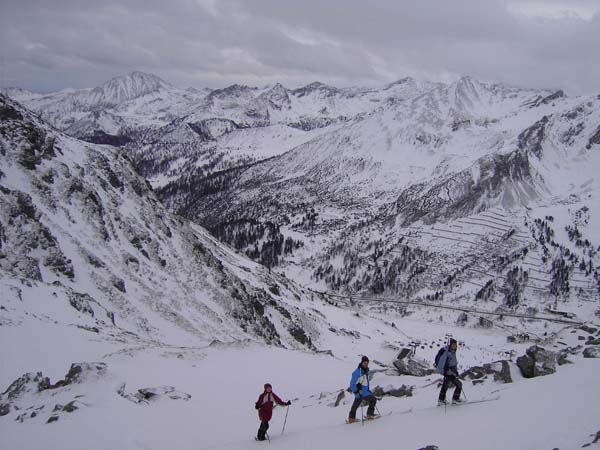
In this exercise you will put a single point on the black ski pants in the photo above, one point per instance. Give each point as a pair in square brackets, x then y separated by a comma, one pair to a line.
[456, 382]
[262, 431]
[370, 400]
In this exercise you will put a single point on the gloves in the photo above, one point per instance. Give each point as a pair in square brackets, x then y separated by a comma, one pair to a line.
[256, 406]
[358, 388]
[289, 402]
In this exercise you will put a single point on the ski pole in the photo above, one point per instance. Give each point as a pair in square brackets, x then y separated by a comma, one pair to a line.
[268, 437]
[463, 391]
[285, 421]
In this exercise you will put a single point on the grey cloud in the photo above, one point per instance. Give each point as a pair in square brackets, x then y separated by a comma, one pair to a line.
[52, 45]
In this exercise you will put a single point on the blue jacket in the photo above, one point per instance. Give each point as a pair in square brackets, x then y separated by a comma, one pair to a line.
[361, 376]
[447, 362]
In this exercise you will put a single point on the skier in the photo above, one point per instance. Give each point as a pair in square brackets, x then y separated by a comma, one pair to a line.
[264, 405]
[359, 384]
[447, 365]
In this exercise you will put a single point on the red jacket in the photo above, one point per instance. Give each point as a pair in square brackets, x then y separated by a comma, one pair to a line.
[265, 405]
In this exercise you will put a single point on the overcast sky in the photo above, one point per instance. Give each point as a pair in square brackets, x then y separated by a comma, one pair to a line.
[47, 45]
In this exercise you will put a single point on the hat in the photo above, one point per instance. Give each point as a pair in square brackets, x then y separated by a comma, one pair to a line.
[453, 341]
[268, 385]
[363, 359]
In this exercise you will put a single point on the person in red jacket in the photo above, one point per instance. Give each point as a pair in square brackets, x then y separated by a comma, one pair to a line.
[265, 404]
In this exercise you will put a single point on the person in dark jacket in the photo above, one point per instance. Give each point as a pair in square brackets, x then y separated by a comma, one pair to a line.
[265, 404]
[447, 365]
[359, 384]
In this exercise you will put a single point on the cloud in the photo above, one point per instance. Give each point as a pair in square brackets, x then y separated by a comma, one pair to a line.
[80, 43]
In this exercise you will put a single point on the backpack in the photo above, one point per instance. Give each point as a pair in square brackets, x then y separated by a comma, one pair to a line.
[438, 356]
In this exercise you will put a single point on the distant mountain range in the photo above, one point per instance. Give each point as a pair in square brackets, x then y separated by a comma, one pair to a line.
[465, 192]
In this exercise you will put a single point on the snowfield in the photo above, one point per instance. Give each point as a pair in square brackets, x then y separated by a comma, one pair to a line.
[555, 411]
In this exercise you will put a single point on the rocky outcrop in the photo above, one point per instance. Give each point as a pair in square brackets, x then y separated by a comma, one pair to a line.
[25, 396]
[591, 352]
[531, 139]
[391, 391]
[147, 395]
[413, 367]
[537, 362]
[499, 370]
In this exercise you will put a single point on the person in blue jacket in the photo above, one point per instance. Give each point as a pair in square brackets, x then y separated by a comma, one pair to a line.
[446, 364]
[359, 384]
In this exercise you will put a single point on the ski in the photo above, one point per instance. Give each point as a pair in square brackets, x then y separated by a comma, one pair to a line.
[369, 420]
[481, 400]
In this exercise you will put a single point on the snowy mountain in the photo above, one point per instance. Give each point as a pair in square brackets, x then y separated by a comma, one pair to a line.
[79, 227]
[465, 191]
[126, 326]
[333, 185]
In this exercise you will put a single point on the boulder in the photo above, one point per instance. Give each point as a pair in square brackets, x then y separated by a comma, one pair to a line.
[430, 447]
[404, 353]
[591, 352]
[340, 397]
[593, 341]
[537, 362]
[500, 370]
[588, 329]
[146, 395]
[402, 391]
[409, 366]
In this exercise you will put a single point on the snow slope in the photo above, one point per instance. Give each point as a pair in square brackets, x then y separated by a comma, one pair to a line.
[555, 411]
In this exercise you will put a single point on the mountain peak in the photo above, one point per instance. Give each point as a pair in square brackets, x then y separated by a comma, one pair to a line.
[128, 87]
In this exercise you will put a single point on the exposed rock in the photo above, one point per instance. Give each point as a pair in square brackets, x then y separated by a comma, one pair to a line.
[29, 382]
[404, 353]
[118, 283]
[340, 397]
[594, 139]
[4, 409]
[588, 329]
[500, 370]
[402, 391]
[591, 352]
[462, 319]
[28, 387]
[81, 302]
[80, 372]
[593, 341]
[430, 447]
[537, 362]
[145, 395]
[531, 139]
[70, 407]
[412, 367]
[52, 419]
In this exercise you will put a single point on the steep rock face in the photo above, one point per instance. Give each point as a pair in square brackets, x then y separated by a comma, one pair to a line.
[504, 179]
[78, 224]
